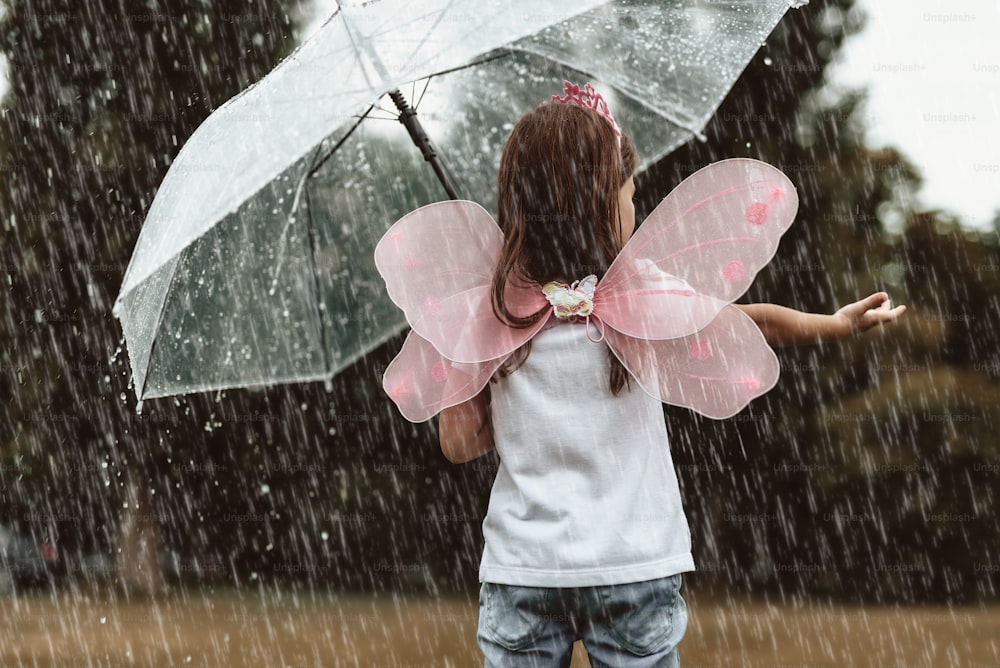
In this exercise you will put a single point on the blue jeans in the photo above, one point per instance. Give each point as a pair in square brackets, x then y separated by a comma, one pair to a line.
[635, 625]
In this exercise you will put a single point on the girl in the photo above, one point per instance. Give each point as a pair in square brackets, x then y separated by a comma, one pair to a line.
[585, 536]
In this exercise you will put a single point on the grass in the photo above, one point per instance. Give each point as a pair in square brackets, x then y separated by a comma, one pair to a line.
[240, 630]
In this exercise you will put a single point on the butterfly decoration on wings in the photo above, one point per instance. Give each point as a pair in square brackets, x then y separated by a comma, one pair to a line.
[664, 306]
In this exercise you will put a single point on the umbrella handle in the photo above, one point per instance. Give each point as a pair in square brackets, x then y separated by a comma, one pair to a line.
[408, 117]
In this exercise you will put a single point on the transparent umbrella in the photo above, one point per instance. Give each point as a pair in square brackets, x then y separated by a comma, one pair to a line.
[255, 262]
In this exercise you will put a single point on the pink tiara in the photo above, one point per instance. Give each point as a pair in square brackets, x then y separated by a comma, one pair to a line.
[590, 99]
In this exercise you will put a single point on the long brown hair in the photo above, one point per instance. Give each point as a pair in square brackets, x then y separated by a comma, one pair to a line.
[557, 203]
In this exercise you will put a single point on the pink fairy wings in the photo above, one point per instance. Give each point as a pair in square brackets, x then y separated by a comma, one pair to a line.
[698, 250]
[663, 304]
[438, 264]
[716, 371]
[423, 382]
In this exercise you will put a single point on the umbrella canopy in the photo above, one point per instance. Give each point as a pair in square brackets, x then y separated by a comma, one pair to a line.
[255, 262]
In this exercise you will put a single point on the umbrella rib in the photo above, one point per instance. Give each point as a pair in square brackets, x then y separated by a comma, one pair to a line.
[427, 84]
[300, 187]
[506, 52]
[316, 166]
[139, 391]
[357, 51]
[391, 116]
[430, 31]
[320, 312]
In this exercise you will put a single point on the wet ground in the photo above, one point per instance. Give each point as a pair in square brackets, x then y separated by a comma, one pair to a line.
[233, 629]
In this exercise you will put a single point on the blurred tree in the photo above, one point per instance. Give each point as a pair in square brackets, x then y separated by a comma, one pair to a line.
[101, 96]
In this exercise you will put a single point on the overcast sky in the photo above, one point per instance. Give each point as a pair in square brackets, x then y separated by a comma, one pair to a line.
[932, 69]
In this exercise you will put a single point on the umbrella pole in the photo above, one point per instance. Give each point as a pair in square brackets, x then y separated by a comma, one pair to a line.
[408, 117]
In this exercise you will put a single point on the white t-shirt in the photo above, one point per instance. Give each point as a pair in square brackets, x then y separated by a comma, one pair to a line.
[586, 492]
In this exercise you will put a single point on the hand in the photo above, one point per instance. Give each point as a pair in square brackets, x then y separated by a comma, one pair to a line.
[867, 313]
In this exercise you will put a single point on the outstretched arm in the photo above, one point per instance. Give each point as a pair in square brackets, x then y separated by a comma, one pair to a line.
[465, 430]
[783, 326]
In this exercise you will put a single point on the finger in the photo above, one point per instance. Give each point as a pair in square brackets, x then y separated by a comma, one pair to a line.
[861, 307]
[881, 315]
[875, 300]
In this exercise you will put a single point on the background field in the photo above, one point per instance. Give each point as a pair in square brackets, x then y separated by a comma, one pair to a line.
[230, 629]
